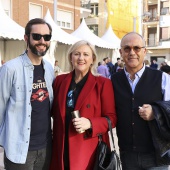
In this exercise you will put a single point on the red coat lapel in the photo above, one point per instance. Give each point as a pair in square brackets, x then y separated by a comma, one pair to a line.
[63, 92]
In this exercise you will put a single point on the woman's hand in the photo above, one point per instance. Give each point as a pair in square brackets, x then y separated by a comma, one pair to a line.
[81, 124]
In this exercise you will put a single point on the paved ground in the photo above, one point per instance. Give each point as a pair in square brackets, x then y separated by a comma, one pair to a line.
[2, 151]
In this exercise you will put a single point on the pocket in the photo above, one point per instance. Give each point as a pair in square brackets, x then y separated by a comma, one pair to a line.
[18, 92]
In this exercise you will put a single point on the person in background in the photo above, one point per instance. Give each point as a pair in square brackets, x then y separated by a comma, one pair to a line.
[105, 60]
[147, 63]
[57, 69]
[154, 65]
[93, 96]
[99, 63]
[116, 64]
[162, 64]
[110, 66]
[103, 70]
[26, 97]
[165, 68]
[120, 67]
[135, 89]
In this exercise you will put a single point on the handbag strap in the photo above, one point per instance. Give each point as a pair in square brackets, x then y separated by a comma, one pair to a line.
[110, 129]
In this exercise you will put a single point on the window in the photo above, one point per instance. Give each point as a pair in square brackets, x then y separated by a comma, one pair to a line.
[68, 25]
[153, 12]
[165, 11]
[85, 3]
[58, 23]
[164, 8]
[35, 11]
[65, 19]
[63, 24]
[164, 34]
[152, 36]
[94, 9]
[7, 7]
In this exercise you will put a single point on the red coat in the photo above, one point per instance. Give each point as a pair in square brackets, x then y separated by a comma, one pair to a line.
[95, 100]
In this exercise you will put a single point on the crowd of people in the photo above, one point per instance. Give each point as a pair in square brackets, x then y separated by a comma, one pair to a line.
[33, 92]
[106, 68]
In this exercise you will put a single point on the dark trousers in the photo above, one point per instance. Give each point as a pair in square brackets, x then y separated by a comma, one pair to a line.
[140, 161]
[36, 160]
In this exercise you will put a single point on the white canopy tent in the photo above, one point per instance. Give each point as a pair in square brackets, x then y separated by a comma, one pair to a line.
[111, 37]
[11, 37]
[64, 39]
[58, 34]
[83, 32]
[104, 49]
[9, 28]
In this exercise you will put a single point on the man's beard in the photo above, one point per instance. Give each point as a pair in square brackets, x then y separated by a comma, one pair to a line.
[35, 51]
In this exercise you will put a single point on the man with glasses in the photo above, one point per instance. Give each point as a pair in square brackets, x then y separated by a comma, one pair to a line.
[26, 96]
[136, 88]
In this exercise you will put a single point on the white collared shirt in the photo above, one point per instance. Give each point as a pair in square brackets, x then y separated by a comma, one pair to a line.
[165, 82]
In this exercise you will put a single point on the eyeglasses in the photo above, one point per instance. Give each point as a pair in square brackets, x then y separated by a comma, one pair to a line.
[70, 101]
[128, 49]
[37, 37]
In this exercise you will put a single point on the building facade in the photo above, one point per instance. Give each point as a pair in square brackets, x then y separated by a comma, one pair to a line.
[96, 19]
[68, 11]
[156, 29]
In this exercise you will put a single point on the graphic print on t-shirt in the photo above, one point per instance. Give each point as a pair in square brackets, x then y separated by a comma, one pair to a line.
[39, 90]
[40, 133]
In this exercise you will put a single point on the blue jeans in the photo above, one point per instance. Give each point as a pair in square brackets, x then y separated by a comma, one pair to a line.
[36, 160]
[140, 161]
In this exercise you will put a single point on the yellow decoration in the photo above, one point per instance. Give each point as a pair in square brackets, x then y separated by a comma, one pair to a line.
[121, 15]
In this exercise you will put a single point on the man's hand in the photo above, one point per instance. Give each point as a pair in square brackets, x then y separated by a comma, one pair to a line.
[146, 112]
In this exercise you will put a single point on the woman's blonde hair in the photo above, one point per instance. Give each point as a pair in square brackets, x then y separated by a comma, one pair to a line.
[76, 46]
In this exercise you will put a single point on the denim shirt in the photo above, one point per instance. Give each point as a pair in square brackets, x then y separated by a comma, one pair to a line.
[16, 79]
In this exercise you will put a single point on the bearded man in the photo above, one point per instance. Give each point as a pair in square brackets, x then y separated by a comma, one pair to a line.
[26, 96]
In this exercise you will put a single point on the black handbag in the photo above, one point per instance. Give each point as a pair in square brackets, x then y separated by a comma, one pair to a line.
[105, 158]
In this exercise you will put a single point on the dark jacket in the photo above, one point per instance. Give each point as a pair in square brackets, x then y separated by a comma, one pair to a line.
[160, 130]
[133, 132]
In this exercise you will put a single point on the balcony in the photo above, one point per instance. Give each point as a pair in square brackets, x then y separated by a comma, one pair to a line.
[152, 2]
[92, 20]
[94, 1]
[150, 19]
[85, 8]
[165, 42]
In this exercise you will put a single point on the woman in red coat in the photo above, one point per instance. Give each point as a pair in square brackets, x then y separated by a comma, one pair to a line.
[93, 96]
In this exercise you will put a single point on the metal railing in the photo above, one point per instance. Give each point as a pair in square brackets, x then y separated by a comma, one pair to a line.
[152, 42]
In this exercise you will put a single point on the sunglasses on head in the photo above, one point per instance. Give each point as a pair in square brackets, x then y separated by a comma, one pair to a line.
[70, 101]
[37, 37]
[128, 49]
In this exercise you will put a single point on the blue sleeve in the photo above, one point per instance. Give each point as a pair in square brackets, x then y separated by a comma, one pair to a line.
[166, 86]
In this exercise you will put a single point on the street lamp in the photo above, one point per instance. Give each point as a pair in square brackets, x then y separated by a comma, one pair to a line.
[55, 11]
